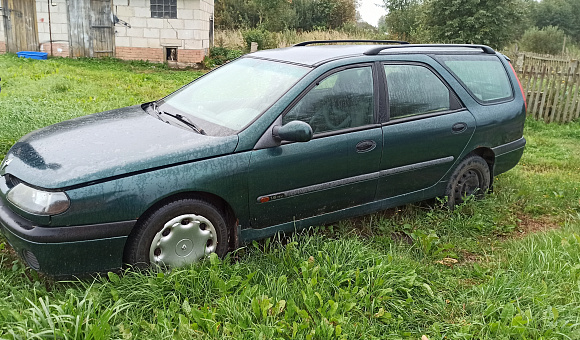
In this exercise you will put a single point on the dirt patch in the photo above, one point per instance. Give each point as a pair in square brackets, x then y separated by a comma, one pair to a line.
[468, 283]
[528, 225]
[468, 257]
[401, 237]
[9, 256]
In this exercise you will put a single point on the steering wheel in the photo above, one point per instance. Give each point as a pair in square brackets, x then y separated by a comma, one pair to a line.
[330, 118]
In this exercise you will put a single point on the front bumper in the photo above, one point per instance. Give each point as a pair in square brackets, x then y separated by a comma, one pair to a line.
[64, 251]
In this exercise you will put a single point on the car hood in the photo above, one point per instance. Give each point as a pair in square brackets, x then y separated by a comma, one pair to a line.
[104, 145]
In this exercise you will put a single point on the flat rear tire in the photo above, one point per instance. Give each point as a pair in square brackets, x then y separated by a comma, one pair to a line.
[471, 178]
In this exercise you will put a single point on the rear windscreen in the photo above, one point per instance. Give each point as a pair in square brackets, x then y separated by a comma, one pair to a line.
[484, 76]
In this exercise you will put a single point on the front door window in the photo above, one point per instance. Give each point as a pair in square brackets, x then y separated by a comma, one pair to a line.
[340, 101]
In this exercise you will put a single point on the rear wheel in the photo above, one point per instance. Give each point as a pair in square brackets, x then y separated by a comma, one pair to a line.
[179, 233]
[471, 178]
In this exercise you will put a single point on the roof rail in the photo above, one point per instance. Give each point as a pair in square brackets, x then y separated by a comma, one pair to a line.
[304, 43]
[378, 49]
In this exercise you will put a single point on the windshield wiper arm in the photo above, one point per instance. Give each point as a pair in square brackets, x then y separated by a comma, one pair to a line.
[179, 117]
[185, 121]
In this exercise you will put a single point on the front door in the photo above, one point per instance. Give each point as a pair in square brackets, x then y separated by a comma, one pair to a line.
[20, 25]
[337, 169]
[91, 30]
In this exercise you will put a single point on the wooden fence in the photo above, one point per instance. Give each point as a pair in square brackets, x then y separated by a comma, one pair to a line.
[529, 59]
[551, 86]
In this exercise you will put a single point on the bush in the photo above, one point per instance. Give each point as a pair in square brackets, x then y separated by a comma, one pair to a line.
[548, 40]
[221, 55]
[264, 38]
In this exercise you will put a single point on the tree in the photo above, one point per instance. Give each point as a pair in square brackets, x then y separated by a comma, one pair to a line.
[278, 15]
[344, 12]
[563, 14]
[233, 14]
[382, 24]
[403, 18]
[490, 22]
[274, 15]
[548, 40]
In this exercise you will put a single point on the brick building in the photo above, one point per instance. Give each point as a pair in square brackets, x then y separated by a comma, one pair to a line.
[154, 30]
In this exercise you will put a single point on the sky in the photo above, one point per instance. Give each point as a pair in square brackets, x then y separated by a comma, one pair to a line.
[370, 12]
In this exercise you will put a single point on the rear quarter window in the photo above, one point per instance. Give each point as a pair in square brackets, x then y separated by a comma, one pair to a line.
[483, 76]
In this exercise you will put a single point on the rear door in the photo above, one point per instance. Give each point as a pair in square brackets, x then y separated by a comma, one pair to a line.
[426, 129]
[337, 169]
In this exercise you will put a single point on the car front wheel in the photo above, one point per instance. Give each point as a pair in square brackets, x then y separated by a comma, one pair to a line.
[179, 233]
[470, 178]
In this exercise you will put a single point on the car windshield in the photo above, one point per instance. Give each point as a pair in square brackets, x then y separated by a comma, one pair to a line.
[229, 98]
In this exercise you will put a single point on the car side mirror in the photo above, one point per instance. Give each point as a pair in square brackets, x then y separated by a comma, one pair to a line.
[294, 131]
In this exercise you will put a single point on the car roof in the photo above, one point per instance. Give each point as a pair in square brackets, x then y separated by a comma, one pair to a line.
[314, 55]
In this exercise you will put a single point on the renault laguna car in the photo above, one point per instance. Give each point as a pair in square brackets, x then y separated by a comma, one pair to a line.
[276, 140]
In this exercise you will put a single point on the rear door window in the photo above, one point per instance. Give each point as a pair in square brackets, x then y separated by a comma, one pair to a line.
[415, 90]
[483, 76]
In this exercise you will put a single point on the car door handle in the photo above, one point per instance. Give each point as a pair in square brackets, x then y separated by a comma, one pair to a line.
[366, 146]
[459, 127]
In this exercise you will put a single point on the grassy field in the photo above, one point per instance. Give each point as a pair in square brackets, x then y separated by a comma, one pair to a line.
[507, 267]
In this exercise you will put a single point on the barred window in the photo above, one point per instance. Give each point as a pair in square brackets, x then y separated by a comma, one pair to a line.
[164, 9]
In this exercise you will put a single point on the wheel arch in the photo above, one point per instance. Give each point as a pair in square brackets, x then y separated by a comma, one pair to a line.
[489, 156]
[213, 199]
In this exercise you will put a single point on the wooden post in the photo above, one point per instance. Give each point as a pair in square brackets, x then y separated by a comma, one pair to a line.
[576, 82]
[546, 94]
[541, 93]
[559, 114]
[568, 93]
[577, 114]
[535, 87]
[564, 46]
[520, 62]
[555, 95]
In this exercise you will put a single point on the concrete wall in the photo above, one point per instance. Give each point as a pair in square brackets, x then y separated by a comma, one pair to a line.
[58, 27]
[148, 38]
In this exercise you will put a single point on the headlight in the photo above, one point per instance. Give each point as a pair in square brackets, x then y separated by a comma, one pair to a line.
[38, 202]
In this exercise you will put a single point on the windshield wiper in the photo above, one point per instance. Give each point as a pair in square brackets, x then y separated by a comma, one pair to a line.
[179, 117]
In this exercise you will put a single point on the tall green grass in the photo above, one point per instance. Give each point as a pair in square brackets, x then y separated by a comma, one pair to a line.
[37, 93]
[506, 267]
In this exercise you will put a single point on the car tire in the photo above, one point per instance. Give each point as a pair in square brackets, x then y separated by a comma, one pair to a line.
[472, 177]
[178, 234]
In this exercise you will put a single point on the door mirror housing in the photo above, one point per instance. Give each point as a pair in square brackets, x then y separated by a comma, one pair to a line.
[294, 131]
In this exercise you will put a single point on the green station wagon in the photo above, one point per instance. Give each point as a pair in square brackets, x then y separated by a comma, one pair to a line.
[277, 140]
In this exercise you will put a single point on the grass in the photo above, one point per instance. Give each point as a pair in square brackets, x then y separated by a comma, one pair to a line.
[507, 267]
[36, 94]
